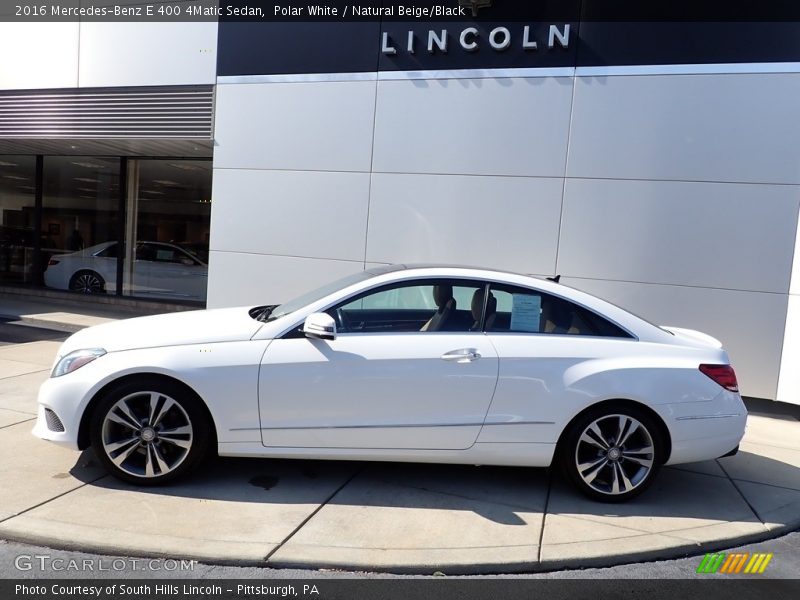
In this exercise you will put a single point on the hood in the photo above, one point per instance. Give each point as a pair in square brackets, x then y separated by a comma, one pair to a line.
[694, 338]
[192, 327]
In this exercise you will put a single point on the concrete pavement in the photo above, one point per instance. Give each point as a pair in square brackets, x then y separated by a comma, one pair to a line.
[380, 516]
[69, 312]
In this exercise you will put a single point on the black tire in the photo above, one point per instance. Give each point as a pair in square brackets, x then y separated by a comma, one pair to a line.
[87, 282]
[617, 472]
[170, 444]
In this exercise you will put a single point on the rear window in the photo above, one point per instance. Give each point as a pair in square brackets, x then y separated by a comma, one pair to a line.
[523, 310]
[110, 252]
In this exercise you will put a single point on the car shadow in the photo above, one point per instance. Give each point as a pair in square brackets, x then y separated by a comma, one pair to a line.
[504, 495]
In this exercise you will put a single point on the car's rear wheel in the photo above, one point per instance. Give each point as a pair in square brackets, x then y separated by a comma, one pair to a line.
[87, 282]
[612, 453]
[150, 431]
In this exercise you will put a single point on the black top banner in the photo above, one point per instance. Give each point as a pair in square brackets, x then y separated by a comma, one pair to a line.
[508, 10]
[258, 11]
[273, 37]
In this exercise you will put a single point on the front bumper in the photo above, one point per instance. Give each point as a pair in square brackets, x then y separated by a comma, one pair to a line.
[67, 397]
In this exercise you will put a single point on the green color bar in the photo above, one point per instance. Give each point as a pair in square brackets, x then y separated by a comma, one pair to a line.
[711, 563]
[702, 567]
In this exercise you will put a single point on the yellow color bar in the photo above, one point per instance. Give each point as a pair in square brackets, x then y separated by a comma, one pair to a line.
[758, 563]
[752, 565]
[765, 563]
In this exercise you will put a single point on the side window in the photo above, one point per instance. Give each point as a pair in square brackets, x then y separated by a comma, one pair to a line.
[167, 254]
[145, 252]
[424, 306]
[109, 252]
[522, 310]
[164, 253]
[514, 309]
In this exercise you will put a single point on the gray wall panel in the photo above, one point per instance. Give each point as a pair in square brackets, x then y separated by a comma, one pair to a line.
[325, 126]
[730, 236]
[293, 213]
[503, 222]
[730, 128]
[508, 126]
[244, 279]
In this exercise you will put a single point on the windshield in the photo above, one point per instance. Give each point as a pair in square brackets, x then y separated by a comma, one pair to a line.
[325, 290]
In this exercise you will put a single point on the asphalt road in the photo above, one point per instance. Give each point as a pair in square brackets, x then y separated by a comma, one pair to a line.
[14, 332]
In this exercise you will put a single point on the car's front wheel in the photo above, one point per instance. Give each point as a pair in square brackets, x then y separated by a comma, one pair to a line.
[612, 453]
[149, 431]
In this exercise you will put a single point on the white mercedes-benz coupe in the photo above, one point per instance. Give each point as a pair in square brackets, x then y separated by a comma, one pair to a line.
[421, 364]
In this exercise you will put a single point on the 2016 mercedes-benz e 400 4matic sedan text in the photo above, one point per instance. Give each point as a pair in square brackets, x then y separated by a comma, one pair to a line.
[436, 364]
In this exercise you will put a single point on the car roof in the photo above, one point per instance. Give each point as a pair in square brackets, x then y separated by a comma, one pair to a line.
[420, 266]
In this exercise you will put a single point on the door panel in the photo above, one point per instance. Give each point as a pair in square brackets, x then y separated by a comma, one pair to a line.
[377, 390]
[545, 379]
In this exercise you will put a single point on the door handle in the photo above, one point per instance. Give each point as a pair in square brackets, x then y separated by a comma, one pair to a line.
[464, 355]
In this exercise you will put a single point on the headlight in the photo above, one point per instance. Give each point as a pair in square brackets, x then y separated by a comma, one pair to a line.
[75, 360]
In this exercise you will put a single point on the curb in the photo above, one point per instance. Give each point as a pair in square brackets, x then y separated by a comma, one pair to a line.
[117, 303]
[676, 552]
[681, 551]
[42, 323]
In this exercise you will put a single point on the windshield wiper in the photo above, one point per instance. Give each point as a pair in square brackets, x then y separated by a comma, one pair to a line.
[262, 313]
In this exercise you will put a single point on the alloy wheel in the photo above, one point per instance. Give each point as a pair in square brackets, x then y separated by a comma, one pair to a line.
[615, 454]
[147, 434]
[87, 283]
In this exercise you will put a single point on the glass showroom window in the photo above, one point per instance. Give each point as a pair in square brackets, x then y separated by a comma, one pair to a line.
[169, 215]
[17, 214]
[80, 223]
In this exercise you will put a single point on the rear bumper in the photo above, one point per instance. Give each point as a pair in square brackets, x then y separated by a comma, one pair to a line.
[733, 452]
[706, 430]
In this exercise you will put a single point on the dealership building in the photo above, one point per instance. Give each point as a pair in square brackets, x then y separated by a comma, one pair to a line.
[654, 164]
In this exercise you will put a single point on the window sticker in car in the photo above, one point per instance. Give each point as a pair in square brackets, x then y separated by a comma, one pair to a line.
[526, 312]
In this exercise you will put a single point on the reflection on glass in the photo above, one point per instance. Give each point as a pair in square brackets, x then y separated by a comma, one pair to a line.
[17, 232]
[171, 211]
[80, 219]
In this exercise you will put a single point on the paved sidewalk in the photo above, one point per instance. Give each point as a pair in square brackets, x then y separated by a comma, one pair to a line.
[72, 315]
[380, 516]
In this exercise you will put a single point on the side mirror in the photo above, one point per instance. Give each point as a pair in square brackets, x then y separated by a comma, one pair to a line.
[320, 326]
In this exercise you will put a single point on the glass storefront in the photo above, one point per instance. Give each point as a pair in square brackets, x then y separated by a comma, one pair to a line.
[80, 217]
[170, 220]
[17, 219]
[99, 217]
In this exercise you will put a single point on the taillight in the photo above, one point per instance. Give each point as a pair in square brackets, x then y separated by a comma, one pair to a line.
[724, 375]
[52, 262]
